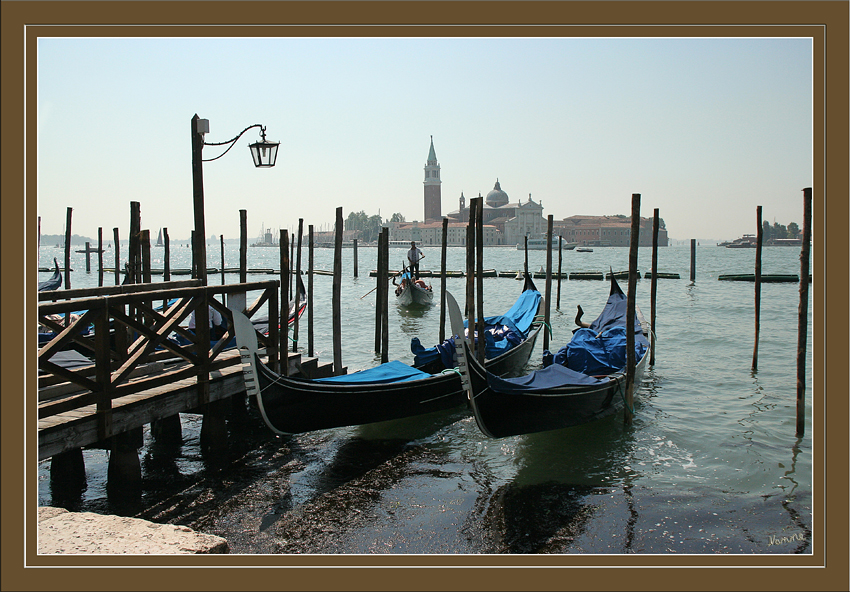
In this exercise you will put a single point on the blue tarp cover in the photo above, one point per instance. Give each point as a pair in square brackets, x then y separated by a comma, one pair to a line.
[502, 332]
[394, 371]
[547, 378]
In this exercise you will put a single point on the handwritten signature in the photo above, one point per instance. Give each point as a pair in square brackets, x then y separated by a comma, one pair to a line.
[774, 540]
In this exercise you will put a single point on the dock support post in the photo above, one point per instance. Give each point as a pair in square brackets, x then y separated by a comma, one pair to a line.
[803, 312]
[167, 430]
[560, 258]
[443, 280]
[630, 310]
[214, 426]
[68, 469]
[166, 256]
[124, 467]
[693, 259]
[355, 257]
[470, 272]
[379, 286]
[385, 307]
[117, 256]
[759, 236]
[221, 239]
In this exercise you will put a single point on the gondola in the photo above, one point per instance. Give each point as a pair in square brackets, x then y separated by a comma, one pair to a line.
[54, 282]
[557, 396]
[410, 292]
[394, 390]
[513, 334]
[292, 405]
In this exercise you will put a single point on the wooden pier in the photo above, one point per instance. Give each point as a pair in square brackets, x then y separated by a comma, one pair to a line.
[139, 376]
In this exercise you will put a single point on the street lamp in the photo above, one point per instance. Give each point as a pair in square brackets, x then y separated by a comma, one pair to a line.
[264, 154]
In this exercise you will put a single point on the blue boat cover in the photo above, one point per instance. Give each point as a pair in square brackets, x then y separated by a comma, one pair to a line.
[501, 333]
[540, 380]
[394, 371]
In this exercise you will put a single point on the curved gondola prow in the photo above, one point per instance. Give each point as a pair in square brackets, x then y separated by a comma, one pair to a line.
[246, 342]
[529, 283]
[55, 281]
[464, 359]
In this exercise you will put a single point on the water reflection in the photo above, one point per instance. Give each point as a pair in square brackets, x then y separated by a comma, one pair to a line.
[545, 507]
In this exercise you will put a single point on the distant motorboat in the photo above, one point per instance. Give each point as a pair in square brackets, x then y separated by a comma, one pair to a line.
[539, 244]
[584, 250]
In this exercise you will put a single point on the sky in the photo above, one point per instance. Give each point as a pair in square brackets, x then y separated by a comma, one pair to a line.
[705, 129]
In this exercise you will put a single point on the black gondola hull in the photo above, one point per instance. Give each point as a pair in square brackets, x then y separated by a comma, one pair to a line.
[293, 405]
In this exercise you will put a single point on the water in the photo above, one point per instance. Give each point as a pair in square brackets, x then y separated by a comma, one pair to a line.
[711, 463]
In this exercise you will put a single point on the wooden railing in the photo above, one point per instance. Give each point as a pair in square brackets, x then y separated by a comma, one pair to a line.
[123, 329]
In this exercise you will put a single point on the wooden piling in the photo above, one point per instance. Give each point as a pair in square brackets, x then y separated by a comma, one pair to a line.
[560, 257]
[310, 290]
[135, 256]
[385, 307]
[380, 284]
[117, 256]
[479, 257]
[355, 257]
[759, 233]
[283, 244]
[470, 271]
[693, 260]
[656, 221]
[243, 246]
[145, 250]
[549, 224]
[166, 256]
[443, 280]
[194, 260]
[525, 267]
[630, 309]
[68, 248]
[221, 239]
[297, 279]
[337, 293]
[803, 313]
[99, 256]
[88, 257]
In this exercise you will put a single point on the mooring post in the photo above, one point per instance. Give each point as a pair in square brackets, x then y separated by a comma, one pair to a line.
[479, 258]
[355, 257]
[310, 290]
[693, 260]
[525, 267]
[88, 257]
[221, 239]
[99, 256]
[378, 287]
[194, 261]
[166, 256]
[145, 248]
[560, 256]
[470, 272]
[296, 281]
[803, 313]
[549, 224]
[759, 236]
[443, 280]
[385, 306]
[117, 256]
[135, 242]
[243, 246]
[68, 248]
[656, 221]
[630, 310]
[337, 293]
[283, 350]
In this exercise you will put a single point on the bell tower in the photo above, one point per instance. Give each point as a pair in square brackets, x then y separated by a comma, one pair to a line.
[433, 205]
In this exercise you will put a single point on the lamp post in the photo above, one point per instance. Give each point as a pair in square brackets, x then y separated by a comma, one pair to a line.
[264, 154]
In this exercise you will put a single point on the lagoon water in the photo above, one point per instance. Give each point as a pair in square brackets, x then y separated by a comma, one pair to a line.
[711, 463]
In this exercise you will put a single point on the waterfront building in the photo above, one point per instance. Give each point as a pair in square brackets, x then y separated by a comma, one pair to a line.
[607, 231]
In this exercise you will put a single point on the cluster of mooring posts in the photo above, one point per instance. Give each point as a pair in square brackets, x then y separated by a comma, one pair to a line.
[140, 377]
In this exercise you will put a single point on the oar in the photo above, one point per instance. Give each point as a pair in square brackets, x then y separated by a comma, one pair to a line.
[373, 289]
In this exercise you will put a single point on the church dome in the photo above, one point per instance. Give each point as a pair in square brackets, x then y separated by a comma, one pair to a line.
[497, 197]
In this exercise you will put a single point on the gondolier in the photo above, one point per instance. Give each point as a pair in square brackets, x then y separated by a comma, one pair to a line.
[413, 257]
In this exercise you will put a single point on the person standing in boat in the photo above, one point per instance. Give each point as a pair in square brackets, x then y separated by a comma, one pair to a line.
[413, 257]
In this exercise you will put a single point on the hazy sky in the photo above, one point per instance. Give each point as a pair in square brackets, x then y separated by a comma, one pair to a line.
[704, 129]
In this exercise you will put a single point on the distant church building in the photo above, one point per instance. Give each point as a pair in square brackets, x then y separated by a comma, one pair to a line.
[433, 200]
[511, 221]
